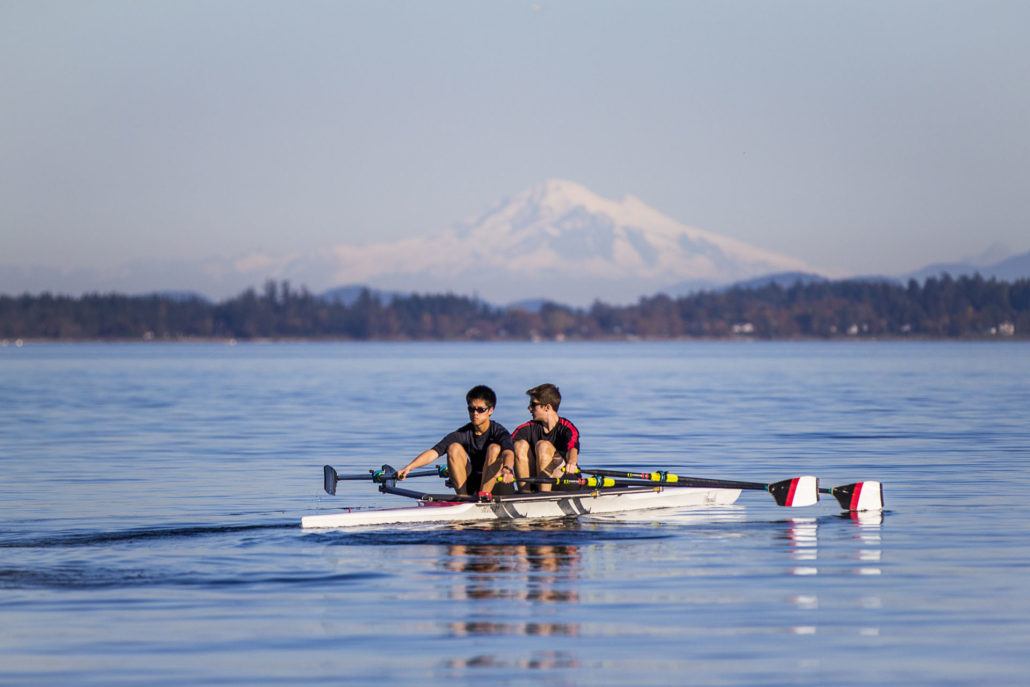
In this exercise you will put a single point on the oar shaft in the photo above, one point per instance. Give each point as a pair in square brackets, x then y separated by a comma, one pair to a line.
[380, 475]
[331, 477]
[690, 483]
[670, 479]
[798, 491]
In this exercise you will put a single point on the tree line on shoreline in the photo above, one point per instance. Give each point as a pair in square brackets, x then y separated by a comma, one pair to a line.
[940, 307]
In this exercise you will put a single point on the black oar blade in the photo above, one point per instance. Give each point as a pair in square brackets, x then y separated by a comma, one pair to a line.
[330, 479]
[799, 491]
[861, 496]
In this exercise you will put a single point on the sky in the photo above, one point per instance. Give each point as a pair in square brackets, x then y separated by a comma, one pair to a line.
[865, 137]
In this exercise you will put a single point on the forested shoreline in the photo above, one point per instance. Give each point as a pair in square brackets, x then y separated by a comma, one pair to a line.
[940, 307]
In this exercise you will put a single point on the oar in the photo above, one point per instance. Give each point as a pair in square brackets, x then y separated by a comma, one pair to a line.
[382, 475]
[799, 491]
[859, 496]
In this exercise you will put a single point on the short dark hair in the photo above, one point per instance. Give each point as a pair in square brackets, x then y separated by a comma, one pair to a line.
[484, 393]
[546, 394]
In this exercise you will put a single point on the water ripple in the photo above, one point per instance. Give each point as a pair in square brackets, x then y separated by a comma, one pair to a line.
[99, 538]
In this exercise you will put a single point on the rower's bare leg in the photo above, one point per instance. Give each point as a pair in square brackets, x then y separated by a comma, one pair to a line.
[491, 468]
[457, 467]
[522, 463]
[547, 462]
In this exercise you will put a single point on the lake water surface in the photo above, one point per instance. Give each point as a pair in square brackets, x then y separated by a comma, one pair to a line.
[150, 499]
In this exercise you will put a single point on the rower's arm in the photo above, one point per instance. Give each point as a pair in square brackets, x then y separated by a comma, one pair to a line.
[424, 458]
[572, 460]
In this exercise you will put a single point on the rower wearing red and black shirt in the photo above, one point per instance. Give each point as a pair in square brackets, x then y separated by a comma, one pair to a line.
[547, 443]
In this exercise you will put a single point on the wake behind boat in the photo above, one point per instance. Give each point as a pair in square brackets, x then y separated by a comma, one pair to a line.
[606, 492]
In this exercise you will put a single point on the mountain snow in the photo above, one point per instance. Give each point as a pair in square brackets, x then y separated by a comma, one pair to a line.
[561, 241]
[557, 240]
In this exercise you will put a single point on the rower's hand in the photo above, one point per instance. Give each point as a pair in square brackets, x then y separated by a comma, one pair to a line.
[507, 475]
[403, 472]
[572, 469]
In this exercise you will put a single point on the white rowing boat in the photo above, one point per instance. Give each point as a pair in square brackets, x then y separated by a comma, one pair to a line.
[435, 509]
[607, 492]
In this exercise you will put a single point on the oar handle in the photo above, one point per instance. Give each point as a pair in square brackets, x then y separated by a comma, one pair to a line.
[569, 481]
[656, 476]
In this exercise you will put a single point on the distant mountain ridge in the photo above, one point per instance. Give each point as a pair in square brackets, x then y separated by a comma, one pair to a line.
[1009, 269]
[556, 241]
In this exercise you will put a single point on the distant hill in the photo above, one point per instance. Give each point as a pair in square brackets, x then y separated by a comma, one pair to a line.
[180, 296]
[784, 279]
[1009, 269]
[1016, 267]
[964, 307]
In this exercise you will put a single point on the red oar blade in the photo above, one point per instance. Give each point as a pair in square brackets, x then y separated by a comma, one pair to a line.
[860, 496]
[796, 492]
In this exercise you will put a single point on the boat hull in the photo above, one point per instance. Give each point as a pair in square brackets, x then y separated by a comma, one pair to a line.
[531, 506]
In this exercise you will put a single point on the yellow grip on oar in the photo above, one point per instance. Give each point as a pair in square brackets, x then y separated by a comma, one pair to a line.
[660, 477]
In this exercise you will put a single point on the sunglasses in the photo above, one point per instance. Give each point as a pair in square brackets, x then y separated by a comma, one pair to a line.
[536, 405]
[478, 409]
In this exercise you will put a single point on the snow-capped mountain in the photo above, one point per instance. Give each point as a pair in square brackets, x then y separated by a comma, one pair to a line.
[556, 240]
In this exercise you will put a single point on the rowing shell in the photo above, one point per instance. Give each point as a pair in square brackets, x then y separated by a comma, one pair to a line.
[434, 509]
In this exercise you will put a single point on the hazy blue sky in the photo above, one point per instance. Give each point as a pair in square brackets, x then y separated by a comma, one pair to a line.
[865, 136]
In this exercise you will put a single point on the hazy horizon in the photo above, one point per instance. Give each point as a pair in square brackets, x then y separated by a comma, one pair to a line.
[858, 137]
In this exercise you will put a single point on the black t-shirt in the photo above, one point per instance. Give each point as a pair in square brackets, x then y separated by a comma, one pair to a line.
[475, 445]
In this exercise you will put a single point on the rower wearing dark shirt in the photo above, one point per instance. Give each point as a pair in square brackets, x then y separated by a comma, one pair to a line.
[547, 443]
[477, 453]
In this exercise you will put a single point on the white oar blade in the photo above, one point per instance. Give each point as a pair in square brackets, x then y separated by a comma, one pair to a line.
[797, 492]
[861, 496]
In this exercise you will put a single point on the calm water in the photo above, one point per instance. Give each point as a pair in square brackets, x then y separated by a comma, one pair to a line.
[150, 497]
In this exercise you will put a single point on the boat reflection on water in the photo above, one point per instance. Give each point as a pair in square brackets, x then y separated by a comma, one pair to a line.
[868, 535]
[527, 571]
[802, 535]
[524, 572]
[544, 660]
[521, 568]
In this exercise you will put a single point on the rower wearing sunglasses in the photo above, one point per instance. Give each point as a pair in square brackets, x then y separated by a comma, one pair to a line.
[547, 444]
[477, 453]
